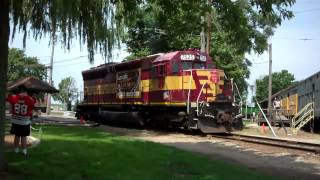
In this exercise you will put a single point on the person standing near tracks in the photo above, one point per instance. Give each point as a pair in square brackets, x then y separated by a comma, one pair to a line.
[276, 103]
[22, 106]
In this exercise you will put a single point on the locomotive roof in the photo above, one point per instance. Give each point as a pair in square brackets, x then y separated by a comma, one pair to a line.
[166, 56]
[101, 70]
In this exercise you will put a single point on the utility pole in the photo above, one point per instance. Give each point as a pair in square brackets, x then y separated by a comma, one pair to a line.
[209, 21]
[246, 110]
[51, 70]
[252, 94]
[270, 80]
[202, 37]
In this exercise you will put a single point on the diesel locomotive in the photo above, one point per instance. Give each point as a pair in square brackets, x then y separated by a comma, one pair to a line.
[177, 89]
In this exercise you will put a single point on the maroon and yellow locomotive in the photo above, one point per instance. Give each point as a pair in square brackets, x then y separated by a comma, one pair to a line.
[181, 88]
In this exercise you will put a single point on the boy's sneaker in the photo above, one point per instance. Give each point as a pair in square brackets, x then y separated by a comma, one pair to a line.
[24, 152]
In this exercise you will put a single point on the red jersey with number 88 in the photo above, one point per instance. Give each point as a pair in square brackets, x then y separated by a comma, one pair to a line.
[22, 105]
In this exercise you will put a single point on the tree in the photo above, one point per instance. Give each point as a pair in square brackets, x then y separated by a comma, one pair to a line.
[22, 66]
[96, 23]
[238, 28]
[67, 92]
[280, 80]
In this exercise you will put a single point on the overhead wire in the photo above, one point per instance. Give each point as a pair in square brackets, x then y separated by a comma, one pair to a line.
[307, 11]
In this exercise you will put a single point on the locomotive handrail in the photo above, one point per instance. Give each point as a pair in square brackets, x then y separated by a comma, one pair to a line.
[189, 91]
[199, 97]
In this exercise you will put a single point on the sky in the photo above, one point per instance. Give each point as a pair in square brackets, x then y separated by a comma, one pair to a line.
[295, 47]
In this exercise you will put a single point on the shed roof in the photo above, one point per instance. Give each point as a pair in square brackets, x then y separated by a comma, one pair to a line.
[31, 83]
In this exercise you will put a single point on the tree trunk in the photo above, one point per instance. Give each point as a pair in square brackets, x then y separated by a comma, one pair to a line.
[69, 106]
[4, 37]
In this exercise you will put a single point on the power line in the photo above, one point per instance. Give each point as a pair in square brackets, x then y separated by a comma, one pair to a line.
[263, 62]
[72, 64]
[298, 39]
[307, 11]
[70, 59]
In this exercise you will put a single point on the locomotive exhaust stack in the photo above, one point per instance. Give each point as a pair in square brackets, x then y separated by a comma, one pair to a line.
[181, 88]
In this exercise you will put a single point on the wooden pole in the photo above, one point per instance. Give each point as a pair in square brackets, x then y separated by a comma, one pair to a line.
[270, 80]
[209, 22]
[51, 71]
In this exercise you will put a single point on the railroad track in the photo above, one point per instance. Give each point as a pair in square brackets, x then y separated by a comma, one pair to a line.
[285, 143]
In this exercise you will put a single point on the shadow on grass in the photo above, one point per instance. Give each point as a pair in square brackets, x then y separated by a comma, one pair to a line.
[86, 153]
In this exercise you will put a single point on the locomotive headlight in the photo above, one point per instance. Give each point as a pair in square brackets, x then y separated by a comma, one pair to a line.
[166, 95]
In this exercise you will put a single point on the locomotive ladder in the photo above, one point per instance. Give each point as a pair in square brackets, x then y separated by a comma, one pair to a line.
[305, 115]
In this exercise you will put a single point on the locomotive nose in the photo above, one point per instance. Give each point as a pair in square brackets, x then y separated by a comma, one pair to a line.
[224, 117]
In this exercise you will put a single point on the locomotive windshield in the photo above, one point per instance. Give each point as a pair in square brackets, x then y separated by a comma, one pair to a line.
[193, 65]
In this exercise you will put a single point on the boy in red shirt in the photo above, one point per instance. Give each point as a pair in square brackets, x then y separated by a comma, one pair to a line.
[22, 107]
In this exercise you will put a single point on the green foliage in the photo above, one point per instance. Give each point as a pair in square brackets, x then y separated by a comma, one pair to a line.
[236, 28]
[138, 54]
[280, 80]
[157, 26]
[94, 23]
[19, 66]
[67, 92]
[70, 152]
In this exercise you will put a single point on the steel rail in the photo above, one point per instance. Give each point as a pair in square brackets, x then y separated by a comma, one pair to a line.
[285, 143]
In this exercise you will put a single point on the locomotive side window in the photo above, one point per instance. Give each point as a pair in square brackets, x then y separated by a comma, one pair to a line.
[211, 66]
[186, 65]
[175, 67]
[190, 65]
[161, 70]
[198, 66]
[154, 72]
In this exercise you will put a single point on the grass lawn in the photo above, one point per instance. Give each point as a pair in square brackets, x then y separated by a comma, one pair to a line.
[88, 153]
[248, 122]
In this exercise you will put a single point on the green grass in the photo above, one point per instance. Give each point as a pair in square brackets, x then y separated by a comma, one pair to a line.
[88, 153]
[248, 122]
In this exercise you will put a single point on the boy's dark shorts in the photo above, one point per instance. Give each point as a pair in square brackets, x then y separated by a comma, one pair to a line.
[20, 130]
